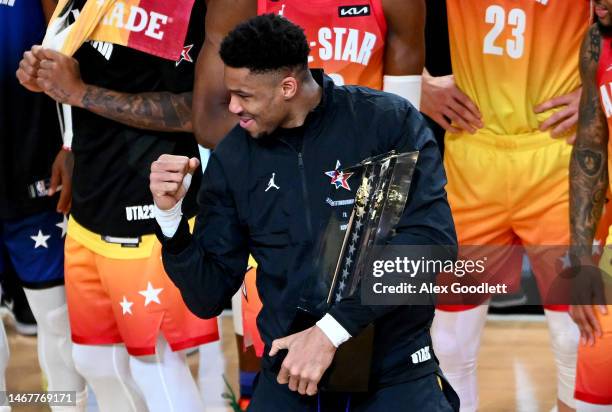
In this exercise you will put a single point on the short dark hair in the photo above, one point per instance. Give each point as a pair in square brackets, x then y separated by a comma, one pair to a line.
[265, 43]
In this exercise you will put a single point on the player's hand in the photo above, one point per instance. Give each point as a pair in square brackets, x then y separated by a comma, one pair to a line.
[61, 179]
[168, 182]
[310, 354]
[563, 120]
[28, 70]
[587, 291]
[442, 100]
[59, 76]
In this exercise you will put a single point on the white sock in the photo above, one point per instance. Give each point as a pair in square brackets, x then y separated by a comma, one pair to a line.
[564, 339]
[210, 376]
[106, 369]
[54, 344]
[4, 359]
[165, 381]
[456, 341]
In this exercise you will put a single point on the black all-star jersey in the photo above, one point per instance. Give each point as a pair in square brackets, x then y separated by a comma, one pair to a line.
[111, 194]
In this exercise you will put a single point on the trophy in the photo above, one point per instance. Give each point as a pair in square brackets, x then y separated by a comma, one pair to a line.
[343, 251]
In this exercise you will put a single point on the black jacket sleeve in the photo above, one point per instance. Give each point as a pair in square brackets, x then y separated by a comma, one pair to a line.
[426, 220]
[208, 267]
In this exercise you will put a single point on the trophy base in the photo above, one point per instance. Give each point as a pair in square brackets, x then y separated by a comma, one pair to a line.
[350, 369]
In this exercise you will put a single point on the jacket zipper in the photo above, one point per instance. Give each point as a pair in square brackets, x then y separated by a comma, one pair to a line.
[305, 194]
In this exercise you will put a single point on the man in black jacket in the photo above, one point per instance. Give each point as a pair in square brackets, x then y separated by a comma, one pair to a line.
[265, 192]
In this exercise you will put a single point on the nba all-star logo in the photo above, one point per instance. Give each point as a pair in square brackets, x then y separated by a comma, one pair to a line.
[185, 56]
[339, 178]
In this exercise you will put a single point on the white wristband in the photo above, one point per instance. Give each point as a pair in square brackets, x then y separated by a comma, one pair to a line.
[169, 220]
[408, 87]
[333, 330]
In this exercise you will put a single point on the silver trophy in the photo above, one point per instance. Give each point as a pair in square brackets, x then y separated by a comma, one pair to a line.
[342, 254]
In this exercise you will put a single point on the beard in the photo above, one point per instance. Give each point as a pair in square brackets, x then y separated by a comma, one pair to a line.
[603, 29]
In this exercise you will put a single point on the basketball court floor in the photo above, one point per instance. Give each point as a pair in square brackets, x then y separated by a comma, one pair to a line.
[516, 369]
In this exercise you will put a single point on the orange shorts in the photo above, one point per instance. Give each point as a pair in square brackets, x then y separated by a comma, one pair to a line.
[593, 383]
[251, 305]
[510, 190]
[128, 301]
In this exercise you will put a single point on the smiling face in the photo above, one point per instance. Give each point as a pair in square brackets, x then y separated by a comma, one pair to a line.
[260, 100]
[603, 10]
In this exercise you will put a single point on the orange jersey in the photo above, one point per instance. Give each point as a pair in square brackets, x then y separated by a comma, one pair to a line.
[346, 37]
[510, 55]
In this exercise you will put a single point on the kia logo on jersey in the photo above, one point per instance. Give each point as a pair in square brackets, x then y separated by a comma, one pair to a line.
[354, 11]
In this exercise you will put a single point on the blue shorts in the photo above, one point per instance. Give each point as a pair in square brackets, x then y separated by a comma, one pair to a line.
[35, 247]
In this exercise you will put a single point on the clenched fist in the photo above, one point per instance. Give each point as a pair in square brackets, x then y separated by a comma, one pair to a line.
[27, 73]
[170, 178]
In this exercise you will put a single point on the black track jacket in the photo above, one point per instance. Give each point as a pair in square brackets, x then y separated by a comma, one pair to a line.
[240, 214]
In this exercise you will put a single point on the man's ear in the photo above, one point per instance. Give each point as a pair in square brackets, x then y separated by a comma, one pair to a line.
[289, 87]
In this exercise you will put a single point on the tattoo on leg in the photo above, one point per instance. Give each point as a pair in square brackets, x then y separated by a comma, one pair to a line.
[589, 161]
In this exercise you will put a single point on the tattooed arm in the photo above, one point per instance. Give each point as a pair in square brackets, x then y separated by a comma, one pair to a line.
[588, 167]
[588, 184]
[59, 77]
[162, 111]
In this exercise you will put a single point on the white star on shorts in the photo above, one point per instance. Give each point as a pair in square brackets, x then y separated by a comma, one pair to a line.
[40, 240]
[63, 225]
[126, 306]
[565, 261]
[150, 294]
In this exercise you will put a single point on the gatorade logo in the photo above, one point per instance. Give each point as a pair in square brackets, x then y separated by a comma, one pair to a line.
[354, 11]
[136, 19]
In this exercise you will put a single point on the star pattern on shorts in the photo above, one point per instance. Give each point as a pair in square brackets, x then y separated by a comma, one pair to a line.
[40, 240]
[63, 225]
[126, 306]
[565, 261]
[151, 294]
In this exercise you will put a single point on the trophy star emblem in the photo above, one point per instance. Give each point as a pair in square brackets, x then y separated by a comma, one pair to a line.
[352, 249]
[339, 178]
